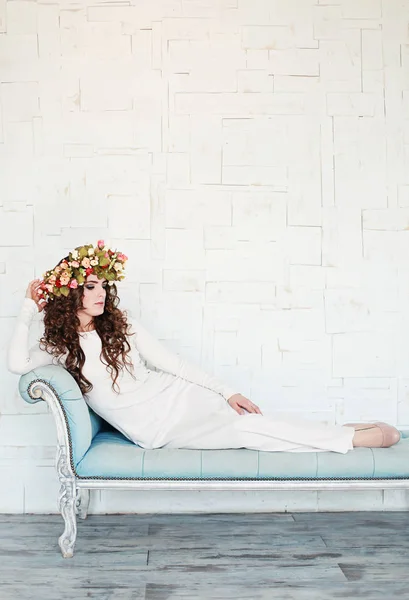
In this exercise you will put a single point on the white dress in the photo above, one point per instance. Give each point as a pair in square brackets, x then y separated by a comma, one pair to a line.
[172, 403]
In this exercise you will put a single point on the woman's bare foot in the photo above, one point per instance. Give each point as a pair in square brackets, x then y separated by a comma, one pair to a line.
[374, 435]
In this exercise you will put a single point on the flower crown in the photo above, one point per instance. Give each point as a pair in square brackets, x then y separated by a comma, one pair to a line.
[83, 261]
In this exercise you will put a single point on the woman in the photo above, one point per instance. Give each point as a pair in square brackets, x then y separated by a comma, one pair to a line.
[152, 396]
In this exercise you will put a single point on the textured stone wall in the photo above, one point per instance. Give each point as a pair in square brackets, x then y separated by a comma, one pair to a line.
[252, 159]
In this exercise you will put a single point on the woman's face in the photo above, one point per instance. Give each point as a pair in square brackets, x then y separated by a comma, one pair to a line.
[93, 300]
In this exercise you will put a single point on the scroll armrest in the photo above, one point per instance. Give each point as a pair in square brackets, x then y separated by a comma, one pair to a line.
[56, 386]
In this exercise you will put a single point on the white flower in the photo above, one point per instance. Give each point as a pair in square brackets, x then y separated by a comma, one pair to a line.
[90, 251]
[118, 266]
[94, 262]
[74, 254]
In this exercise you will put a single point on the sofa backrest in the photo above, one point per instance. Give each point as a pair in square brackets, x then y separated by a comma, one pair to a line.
[83, 424]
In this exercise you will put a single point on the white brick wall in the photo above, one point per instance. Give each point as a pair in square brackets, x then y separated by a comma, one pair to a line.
[252, 159]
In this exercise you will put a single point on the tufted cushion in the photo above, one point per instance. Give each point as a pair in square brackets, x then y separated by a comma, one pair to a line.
[112, 455]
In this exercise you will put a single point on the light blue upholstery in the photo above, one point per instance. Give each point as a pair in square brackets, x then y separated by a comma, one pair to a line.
[112, 455]
[99, 451]
[83, 423]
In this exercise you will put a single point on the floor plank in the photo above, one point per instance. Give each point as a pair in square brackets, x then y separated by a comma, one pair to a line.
[293, 592]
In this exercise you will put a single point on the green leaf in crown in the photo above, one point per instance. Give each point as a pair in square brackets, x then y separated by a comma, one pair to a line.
[109, 275]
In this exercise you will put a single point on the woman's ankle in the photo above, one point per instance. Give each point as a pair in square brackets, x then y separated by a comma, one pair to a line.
[368, 437]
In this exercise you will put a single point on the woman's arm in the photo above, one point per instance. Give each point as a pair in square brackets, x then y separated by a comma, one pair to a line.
[155, 353]
[21, 359]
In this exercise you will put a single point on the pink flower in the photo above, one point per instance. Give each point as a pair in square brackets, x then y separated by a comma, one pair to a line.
[73, 284]
[75, 264]
[100, 243]
[122, 257]
[85, 262]
[106, 255]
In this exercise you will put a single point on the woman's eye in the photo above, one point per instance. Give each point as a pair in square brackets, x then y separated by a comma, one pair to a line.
[91, 287]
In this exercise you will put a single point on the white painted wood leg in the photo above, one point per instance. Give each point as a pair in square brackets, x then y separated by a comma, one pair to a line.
[83, 497]
[67, 503]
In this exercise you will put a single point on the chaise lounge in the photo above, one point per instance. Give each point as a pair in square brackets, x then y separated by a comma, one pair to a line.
[92, 455]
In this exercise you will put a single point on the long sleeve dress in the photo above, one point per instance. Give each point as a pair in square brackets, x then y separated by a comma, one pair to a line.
[171, 403]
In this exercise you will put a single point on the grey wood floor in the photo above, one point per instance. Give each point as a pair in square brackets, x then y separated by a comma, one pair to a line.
[301, 556]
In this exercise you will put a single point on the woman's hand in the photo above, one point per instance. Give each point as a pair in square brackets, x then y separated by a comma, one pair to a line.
[239, 402]
[32, 292]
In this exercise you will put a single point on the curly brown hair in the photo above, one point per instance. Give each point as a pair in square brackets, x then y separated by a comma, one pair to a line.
[61, 325]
